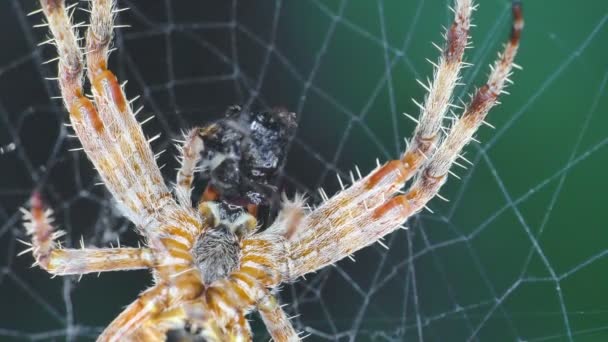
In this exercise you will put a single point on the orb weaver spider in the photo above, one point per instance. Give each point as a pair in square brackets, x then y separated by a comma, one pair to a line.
[212, 266]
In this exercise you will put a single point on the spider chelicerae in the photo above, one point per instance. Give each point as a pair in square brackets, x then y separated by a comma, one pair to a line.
[211, 264]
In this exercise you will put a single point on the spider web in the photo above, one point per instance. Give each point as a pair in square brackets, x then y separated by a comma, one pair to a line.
[519, 251]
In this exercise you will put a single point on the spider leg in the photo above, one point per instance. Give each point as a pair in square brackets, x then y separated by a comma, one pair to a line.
[108, 131]
[151, 304]
[148, 304]
[369, 209]
[131, 151]
[276, 321]
[63, 261]
[190, 156]
[97, 133]
[434, 173]
[437, 102]
[427, 132]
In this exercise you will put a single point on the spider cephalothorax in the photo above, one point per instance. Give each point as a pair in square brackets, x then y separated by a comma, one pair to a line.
[217, 251]
[243, 153]
[211, 266]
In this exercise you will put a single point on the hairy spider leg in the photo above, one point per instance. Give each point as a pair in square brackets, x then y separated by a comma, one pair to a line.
[114, 142]
[369, 209]
[64, 261]
[440, 91]
[124, 136]
[359, 198]
[427, 133]
[137, 314]
[276, 321]
[127, 135]
[84, 116]
[425, 187]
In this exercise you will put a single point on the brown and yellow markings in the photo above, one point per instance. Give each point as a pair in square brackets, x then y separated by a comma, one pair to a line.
[254, 272]
[186, 179]
[239, 293]
[82, 107]
[106, 83]
[143, 198]
[190, 285]
[176, 248]
[179, 232]
[184, 217]
[257, 259]
[244, 278]
[400, 202]
[259, 245]
[393, 166]
[212, 294]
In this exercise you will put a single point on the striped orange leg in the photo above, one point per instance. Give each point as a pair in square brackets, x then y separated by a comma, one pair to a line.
[438, 101]
[376, 188]
[435, 172]
[151, 307]
[276, 321]
[110, 136]
[145, 307]
[124, 133]
[370, 209]
[109, 133]
[63, 261]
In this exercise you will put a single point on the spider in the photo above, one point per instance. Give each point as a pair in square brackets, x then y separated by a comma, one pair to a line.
[211, 264]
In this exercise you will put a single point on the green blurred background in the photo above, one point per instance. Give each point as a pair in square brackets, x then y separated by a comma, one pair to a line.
[519, 252]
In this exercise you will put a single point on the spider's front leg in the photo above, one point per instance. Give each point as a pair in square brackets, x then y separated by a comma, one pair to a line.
[128, 153]
[64, 261]
[384, 182]
[107, 129]
[371, 207]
